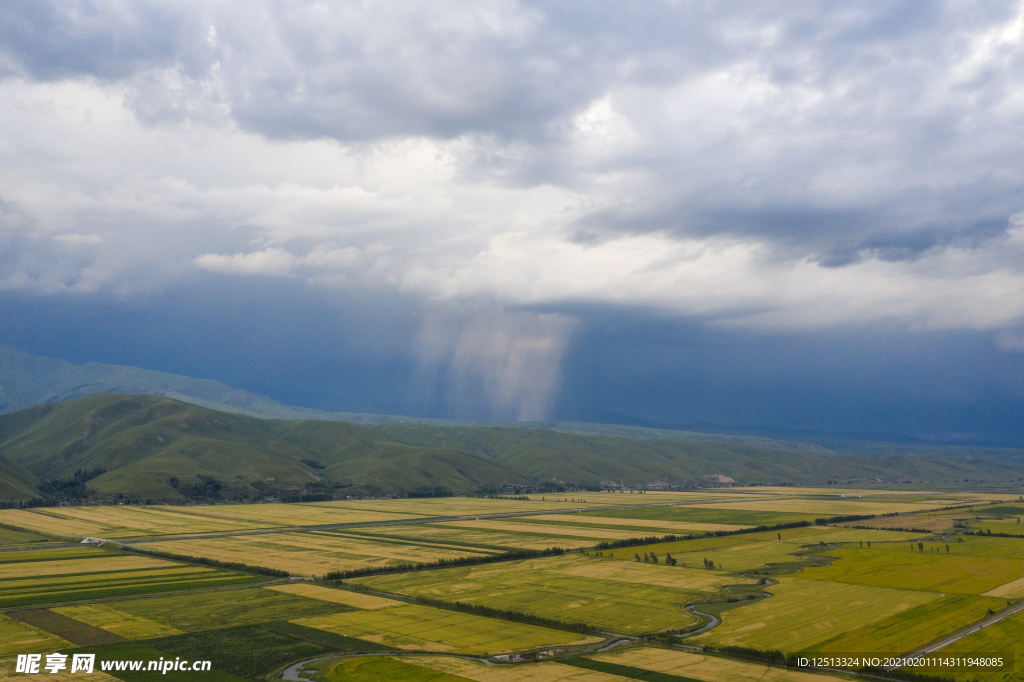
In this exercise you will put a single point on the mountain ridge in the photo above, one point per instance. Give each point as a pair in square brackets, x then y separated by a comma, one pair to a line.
[154, 448]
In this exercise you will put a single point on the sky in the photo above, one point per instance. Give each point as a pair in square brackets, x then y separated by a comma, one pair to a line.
[787, 213]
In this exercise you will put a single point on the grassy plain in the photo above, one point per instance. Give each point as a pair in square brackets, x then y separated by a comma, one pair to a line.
[429, 629]
[621, 597]
[804, 613]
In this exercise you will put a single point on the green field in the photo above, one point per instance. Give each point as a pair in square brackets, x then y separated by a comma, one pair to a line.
[35, 577]
[109, 618]
[1006, 636]
[857, 590]
[12, 537]
[690, 514]
[756, 551]
[315, 553]
[804, 613]
[373, 669]
[17, 637]
[628, 598]
[224, 608]
[912, 628]
[429, 629]
[914, 570]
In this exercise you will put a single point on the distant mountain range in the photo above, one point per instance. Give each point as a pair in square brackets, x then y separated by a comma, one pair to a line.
[27, 380]
[153, 448]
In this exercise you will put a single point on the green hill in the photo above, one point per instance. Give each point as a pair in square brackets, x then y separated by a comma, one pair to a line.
[158, 448]
[27, 380]
[151, 447]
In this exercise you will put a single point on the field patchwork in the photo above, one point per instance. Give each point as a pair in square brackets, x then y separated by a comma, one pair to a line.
[621, 597]
[109, 618]
[52, 580]
[356, 600]
[804, 613]
[1007, 636]
[225, 608]
[429, 629]
[700, 667]
[17, 637]
[912, 569]
[912, 628]
[467, 669]
[312, 553]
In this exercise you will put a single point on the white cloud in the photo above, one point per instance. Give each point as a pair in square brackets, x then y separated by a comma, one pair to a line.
[700, 164]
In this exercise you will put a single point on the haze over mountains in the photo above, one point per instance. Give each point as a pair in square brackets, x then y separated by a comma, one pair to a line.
[150, 448]
[27, 380]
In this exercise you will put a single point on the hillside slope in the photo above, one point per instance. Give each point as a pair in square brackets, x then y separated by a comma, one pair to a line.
[152, 447]
[157, 448]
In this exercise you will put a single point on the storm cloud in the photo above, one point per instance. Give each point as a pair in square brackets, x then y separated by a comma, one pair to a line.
[523, 170]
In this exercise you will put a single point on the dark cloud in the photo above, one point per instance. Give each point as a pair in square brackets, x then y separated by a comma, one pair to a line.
[107, 40]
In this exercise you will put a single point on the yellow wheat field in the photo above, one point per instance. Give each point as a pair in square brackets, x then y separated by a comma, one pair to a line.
[553, 530]
[309, 553]
[120, 623]
[667, 526]
[66, 566]
[828, 507]
[126, 521]
[358, 600]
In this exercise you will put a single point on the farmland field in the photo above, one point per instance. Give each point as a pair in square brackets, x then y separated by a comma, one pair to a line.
[879, 592]
[785, 622]
[34, 578]
[702, 514]
[130, 521]
[467, 669]
[1003, 637]
[312, 552]
[912, 628]
[225, 608]
[627, 598]
[429, 629]
[17, 637]
[912, 569]
[108, 618]
[698, 667]
[642, 525]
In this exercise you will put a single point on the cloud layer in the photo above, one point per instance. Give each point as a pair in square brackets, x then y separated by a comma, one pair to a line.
[758, 166]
